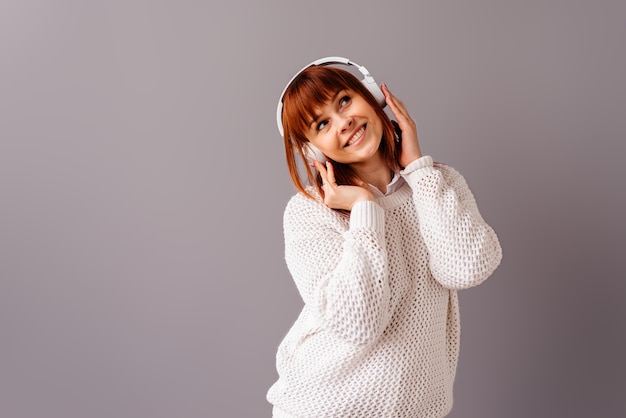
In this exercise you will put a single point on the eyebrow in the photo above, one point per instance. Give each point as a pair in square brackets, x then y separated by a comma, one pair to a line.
[318, 115]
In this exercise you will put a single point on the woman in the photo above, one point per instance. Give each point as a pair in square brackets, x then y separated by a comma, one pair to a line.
[378, 245]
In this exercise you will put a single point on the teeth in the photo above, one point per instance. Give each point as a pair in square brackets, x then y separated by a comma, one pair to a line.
[356, 136]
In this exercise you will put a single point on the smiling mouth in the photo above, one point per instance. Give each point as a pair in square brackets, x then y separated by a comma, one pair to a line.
[357, 136]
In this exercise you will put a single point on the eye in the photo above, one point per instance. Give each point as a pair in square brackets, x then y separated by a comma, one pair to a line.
[321, 125]
[344, 100]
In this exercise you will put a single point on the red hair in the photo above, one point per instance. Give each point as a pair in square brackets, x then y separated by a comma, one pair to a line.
[310, 90]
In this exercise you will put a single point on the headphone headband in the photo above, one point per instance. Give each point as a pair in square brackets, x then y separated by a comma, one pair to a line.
[367, 80]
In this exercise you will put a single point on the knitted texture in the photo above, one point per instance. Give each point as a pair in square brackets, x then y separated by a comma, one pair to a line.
[378, 335]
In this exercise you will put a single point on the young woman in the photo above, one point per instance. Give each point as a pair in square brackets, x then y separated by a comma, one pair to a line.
[378, 244]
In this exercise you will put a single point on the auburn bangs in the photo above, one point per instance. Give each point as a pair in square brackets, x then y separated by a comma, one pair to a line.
[311, 91]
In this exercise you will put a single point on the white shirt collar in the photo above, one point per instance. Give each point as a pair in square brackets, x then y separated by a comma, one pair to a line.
[396, 182]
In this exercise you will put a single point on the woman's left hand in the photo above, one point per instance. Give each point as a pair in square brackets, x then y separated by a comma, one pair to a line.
[410, 149]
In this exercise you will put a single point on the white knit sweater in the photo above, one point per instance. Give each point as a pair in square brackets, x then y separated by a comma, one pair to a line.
[379, 332]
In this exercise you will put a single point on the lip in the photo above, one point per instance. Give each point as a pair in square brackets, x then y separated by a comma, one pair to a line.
[364, 127]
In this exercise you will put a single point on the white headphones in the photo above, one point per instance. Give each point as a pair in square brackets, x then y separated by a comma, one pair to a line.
[312, 152]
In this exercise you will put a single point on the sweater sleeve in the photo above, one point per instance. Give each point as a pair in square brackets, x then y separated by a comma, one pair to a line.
[341, 274]
[464, 251]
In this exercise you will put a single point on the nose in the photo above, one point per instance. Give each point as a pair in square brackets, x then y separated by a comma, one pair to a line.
[346, 124]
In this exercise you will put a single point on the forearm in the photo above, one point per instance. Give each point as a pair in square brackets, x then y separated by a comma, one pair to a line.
[464, 250]
[344, 275]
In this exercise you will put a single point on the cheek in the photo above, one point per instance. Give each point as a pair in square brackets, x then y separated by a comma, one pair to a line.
[377, 129]
[324, 144]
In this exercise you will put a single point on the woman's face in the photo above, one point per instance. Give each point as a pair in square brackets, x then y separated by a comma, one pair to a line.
[346, 129]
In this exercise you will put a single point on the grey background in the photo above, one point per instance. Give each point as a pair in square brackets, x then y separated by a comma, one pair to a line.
[142, 186]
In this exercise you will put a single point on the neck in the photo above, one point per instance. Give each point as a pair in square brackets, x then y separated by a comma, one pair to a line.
[375, 172]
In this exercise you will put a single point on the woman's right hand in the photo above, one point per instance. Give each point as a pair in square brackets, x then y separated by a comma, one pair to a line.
[340, 196]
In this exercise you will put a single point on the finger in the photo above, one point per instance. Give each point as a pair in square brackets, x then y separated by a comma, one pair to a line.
[322, 171]
[390, 97]
[330, 175]
[395, 103]
[405, 121]
[396, 106]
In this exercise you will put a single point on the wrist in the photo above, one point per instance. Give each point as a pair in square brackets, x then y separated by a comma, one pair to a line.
[369, 215]
[421, 164]
[369, 197]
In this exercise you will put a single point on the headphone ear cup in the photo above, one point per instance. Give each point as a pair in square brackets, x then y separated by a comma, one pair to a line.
[313, 153]
[374, 88]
